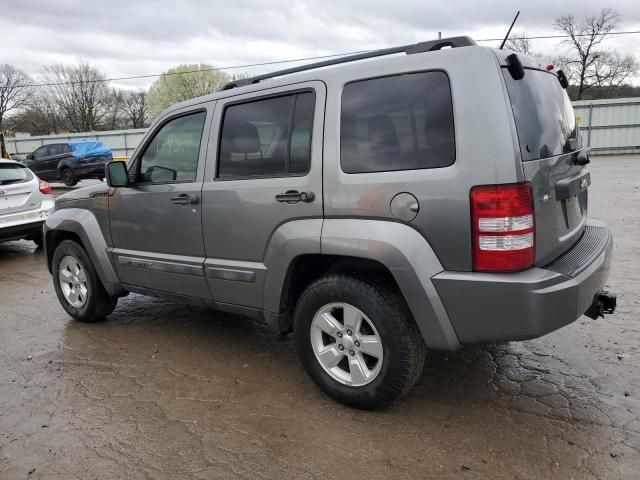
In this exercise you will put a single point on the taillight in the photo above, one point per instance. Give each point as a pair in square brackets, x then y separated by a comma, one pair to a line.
[503, 227]
[45, 188]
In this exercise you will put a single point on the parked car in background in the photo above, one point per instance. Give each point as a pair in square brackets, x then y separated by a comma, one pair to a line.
[70, 162]
[25, 203]
[18, 158]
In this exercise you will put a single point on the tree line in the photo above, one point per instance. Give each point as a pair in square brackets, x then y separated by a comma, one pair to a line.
[78, 98]
[593, 70]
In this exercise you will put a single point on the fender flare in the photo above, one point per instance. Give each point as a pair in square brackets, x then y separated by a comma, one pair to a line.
[411, 261]
[290, 240]
[84, 224]
[400, 248]
[67, 162]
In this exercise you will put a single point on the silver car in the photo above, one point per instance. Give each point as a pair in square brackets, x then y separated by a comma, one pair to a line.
[25, 203]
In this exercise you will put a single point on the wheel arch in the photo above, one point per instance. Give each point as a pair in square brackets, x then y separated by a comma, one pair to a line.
[67, 162]
[81, 226]
[388, 249]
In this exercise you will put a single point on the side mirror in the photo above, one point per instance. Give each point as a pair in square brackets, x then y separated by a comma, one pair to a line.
[116, 174]
[30, 156]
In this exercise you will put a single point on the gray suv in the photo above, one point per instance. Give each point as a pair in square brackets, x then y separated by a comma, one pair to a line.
[405, 199]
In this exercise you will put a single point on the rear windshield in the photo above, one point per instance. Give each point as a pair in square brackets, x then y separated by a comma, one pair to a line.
[543, 114]
[12, 173]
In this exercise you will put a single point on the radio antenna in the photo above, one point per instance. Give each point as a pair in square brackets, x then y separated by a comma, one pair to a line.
[509, 31]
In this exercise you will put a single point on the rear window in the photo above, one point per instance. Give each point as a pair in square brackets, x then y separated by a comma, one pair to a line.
[543, 114]
[402, 122]
[11, 173]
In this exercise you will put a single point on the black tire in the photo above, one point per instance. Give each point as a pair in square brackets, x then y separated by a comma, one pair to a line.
[98, 304]
[68, 177]
[37, 239]
[403, 345]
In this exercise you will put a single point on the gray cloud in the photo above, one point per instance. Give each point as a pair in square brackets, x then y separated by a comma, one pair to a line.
[148, 36]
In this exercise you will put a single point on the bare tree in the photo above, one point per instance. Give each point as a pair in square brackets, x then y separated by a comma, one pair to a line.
[15, 91]
[518, 42]
[114, 105]
[136, 108]
[42, 116]
[81, 93]
[587, 64]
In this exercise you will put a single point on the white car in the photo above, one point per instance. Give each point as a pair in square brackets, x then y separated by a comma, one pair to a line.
[25, 203]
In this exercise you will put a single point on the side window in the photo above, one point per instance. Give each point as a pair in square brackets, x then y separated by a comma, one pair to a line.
[403, 122]
[172, 155]
[65, 148]
[40, 152]
[266, 138]
[55, 149]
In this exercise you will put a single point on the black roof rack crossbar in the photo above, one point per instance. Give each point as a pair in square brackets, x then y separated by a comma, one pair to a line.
[429, 46]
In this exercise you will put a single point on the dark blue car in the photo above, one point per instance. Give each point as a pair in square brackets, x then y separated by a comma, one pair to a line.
[70, 162]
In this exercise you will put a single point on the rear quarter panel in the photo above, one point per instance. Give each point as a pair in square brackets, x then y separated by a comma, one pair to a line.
[486, 152]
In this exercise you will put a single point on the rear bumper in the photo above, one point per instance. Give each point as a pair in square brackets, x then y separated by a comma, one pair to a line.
[490, 307]
[17, 232]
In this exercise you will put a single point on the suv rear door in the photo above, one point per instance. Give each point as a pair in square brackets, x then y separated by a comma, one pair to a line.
[264, 146]
[549, 146]
[156, 222]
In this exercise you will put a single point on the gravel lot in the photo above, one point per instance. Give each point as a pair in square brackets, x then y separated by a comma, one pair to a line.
[167, 391]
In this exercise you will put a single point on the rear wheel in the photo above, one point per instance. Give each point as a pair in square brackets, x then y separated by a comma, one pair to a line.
[358, 341]
[77, 285]
[68, 177]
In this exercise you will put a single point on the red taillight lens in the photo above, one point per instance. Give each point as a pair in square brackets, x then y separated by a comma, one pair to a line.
[503, 227]
[45, 188]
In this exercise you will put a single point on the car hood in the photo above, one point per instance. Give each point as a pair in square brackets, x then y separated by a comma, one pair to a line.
[84, 193]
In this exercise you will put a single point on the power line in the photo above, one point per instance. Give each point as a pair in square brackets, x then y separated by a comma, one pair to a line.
[278, 62]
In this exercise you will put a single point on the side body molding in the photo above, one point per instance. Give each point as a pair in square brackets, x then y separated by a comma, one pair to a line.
[85, 225]
[410, 260]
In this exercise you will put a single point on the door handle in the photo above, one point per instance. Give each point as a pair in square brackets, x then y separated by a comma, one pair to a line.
[184, 199]
[294, 196]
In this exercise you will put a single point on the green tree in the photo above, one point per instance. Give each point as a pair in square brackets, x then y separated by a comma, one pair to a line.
[183, 83]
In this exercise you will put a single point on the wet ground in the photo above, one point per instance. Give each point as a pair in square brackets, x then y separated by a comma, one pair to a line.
[168, 391]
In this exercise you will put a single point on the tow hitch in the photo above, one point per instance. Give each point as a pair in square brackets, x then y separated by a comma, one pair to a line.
[604, 302]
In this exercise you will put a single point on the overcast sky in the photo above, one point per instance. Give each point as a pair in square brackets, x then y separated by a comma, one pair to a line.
[132, 37]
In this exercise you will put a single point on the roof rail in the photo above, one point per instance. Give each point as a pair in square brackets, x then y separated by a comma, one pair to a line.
[453, 42]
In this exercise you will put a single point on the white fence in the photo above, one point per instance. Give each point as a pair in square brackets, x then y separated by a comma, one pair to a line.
[610, 126]
[121, 142]
[607, 126]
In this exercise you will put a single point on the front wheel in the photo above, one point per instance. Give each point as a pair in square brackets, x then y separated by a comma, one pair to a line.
[358, 341]
[68, 177]
[77, 285]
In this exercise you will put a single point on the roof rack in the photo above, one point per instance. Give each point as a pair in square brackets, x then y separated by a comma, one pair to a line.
[453, 42]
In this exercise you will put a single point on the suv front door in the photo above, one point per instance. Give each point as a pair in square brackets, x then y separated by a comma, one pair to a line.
[264, 172]
[37, 162]
[156, 222]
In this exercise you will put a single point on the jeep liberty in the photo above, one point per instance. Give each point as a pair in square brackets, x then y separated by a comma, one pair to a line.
[376, 206]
